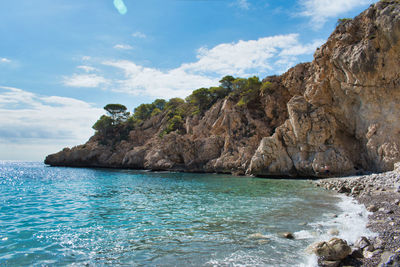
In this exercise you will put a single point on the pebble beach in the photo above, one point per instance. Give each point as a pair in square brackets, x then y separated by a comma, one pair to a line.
[380, 193]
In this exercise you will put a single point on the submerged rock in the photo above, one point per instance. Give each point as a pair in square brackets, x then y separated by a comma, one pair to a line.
[258, 236]
[287, 235]
[333, 231]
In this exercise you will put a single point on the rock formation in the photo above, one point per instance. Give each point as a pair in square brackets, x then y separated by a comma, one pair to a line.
[337, 115]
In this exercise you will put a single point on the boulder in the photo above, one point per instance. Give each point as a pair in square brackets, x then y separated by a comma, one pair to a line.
[335, 249]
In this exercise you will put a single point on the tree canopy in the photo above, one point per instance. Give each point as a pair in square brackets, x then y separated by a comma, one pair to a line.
[244, 91]
[117, 113]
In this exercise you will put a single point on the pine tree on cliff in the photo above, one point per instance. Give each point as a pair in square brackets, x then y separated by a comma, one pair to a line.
[117, 113]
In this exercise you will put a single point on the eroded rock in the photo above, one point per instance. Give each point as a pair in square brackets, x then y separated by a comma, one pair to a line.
[335, 249]
[337, 115]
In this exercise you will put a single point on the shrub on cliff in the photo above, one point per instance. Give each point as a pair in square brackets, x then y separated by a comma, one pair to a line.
[202, 99]
[199, 101]
[175, 123]
[146, 111]
[246, 90]
[343, 20]
[103, 125]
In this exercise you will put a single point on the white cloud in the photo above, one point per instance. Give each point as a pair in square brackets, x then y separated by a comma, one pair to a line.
[84, 80]
[139, 35]
[123, 46]
[140, 80]
[5, 60]
[28, 119]
[244, 4]
[321, 10]
[242, 58]
[87, 68]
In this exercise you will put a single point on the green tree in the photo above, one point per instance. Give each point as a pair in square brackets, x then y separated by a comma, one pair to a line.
[103, 125]
[219, 92]
[248, 90]
[159, 103]
[200, 99]
[174, 103]
[143, 111]
[175, 123]
[117, 113]
[226, 82]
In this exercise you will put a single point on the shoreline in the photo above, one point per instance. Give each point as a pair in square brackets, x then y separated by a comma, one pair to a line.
[380, 194]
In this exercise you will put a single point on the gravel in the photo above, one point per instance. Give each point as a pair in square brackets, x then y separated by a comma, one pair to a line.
[380, 193]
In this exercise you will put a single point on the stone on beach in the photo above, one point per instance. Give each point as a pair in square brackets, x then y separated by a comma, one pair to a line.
[372, 208]
[335, 249]
[362, 242]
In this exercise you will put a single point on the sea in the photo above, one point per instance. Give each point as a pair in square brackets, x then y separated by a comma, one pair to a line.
[55, 216]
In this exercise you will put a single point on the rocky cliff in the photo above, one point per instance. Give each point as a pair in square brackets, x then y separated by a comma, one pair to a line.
[337, 115]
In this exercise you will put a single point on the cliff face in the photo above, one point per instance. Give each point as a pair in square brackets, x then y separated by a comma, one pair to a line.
[334, 116]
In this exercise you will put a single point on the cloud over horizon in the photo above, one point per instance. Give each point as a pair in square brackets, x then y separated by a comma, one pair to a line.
[28, 118]
[271, 55]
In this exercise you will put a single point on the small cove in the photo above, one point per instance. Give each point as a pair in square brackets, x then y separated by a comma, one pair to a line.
[76, 216]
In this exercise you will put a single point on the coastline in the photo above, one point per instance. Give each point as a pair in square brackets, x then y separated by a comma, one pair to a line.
[380, 194]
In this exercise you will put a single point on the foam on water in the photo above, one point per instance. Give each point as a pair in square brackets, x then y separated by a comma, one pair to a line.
[351, 224]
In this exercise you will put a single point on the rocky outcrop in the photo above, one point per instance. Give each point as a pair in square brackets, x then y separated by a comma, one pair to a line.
[337, 115]
[332, 252]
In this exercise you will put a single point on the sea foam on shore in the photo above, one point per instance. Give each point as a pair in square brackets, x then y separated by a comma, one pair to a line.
[350, 225]
[380, 194]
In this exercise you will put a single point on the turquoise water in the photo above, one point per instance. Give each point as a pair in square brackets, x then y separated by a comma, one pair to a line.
[70, 216]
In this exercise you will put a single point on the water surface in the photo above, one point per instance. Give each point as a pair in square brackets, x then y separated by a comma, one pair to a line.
[76, 216]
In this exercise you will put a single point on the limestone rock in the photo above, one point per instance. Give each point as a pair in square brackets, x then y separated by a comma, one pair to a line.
[335, 249]
[337, 115]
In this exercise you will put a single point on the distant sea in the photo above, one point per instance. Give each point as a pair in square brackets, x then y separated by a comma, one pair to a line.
[101, 217]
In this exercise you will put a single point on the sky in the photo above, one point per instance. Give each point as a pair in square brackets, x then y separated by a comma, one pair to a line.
[62, 61]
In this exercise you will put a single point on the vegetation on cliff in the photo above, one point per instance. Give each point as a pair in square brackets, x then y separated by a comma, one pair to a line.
[337, 115]
[174, 111]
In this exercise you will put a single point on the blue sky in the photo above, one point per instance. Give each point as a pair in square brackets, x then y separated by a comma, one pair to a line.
[62, 61]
